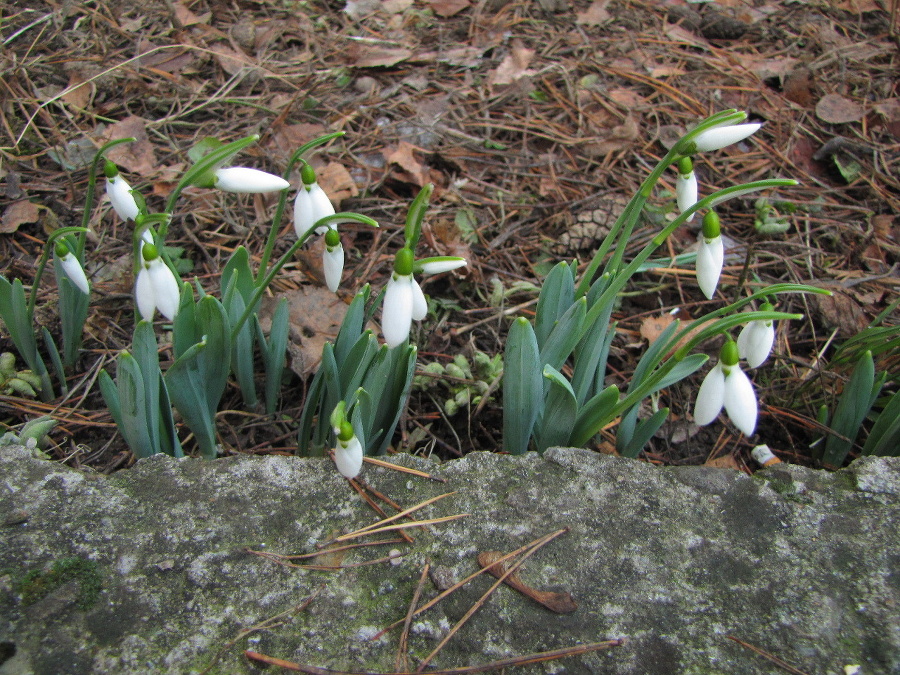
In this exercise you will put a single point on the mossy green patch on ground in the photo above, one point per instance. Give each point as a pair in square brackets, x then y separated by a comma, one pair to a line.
[38, 584]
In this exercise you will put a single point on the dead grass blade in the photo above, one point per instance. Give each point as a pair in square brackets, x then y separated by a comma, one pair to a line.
[371, 528]
[511, 662]
[402, 661]
[403, 469]
[532, 549]
[774, 659]
[271, 622]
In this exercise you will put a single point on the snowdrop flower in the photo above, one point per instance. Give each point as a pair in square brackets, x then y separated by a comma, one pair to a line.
[686, 186]
[333, 260]
[73, 269]
[348, 450]
[756, 339]
[248, 181]
[156, 287]
[722, 136]
[403, 298]
[710, 255]
[311, 204]
[119, 192]
[727, 385]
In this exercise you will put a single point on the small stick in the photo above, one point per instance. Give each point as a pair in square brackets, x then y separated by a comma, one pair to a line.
[459, 584]
[402, 660]
[510, 662]
[400, 526]
[774, 659]
[397, 467]
[336, 549]
[483, 599]
[268, 623]
[362, 489]
[392, 518]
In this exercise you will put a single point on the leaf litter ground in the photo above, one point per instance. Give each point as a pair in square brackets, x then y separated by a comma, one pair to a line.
[534, 121]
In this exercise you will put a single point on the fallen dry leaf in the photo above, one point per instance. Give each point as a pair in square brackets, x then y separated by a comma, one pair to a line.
[337, 182]
[137, 157]
[19, 213]
[725, 462]
[402, 156]
[377, 57]
[447, 8]
[186, 17]
[231, 60]
[799, 87]
[835, 109]
[840, 311]
[653, 326]
[78, 91]
[594, 15]
[315, 318]
[513, 67]
[561, 603]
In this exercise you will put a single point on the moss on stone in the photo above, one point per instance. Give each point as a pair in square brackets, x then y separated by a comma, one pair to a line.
[38, 584]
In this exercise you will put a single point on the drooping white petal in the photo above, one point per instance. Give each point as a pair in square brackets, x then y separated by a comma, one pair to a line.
[396, 315]
[710, 258]
[166, 291]
[349, 457]
[420, 304]
[250, 181]
[75, 272]
[710, 397]
[755, 342]
[119, 192]
[309, 206]
[333, 264]
[438, 266]
[740, 400]
[145, 295]
[723, 136]
[686, 192]
[321, 206]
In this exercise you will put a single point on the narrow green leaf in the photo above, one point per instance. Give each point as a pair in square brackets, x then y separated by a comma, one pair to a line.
[851, 410]
[110, 396]
[241, 345]
[558, 417]
[643, 433]
[187, 385]
[305, 442]
[523, 390]
[274, 352]
[594, 415]
[55, 359]
[565, 335]
[133, 406]
[214, 361]
[884, 438]
[401, 384]
[352, 325]
[556, 297]
[147, 359]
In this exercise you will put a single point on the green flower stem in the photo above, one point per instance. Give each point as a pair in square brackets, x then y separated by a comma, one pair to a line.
[45, 257]
[282, 201]
[727, 322]
[621, 278]
[626, 222]
[92, 188]
[264, 284]
[208, 163]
